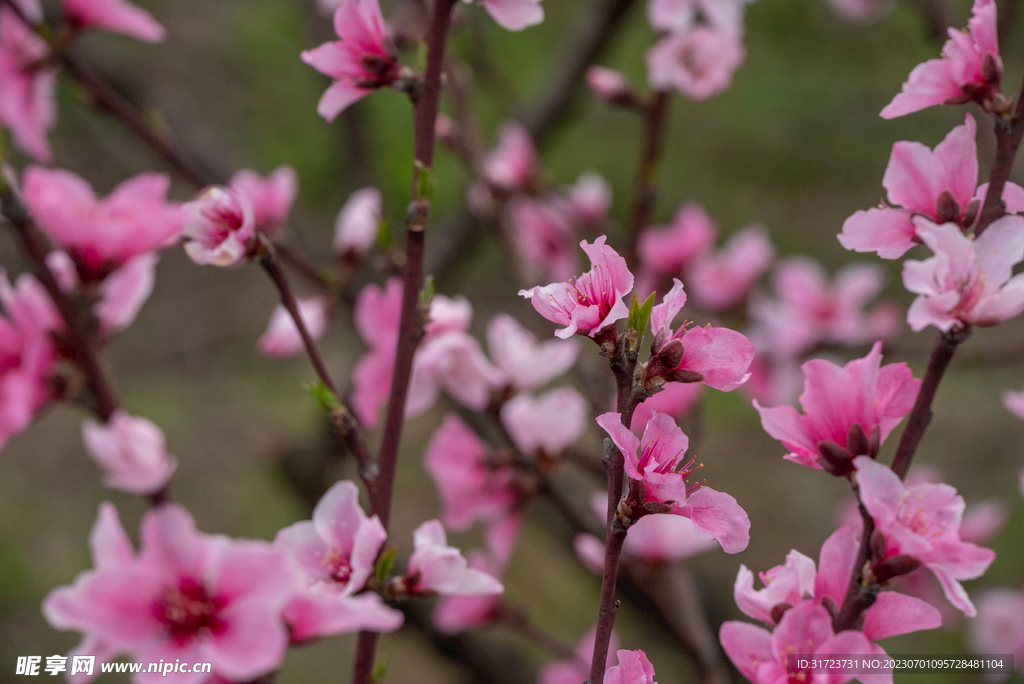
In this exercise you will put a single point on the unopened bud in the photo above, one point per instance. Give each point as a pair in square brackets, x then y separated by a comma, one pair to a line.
[895, 567]
[947, 210]
[992, 68]
[971, 213]
[684, 376]
[878, 544]
[778, 610]
[834, 458]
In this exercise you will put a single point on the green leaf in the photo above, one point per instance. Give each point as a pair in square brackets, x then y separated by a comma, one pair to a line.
[322, 395]
[383, 235]
[427, 293]
[384, 565]
[425, 178]
[379, 670]
[639, 317]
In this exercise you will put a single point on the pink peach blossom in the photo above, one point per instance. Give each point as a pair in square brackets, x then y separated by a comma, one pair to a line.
[544, 238]
[587, 201]
[657, 462]
[122, 293]
[454, 614]
[721, 356]
[131, 452]
[608, 84]
[970, 68]
[675, 399]
[186, 596]
[923, 522]
[1014, 403]
[436, 567]
[453, 361]
[271, 197]
[721, 280]
[633, 668]
[27, 352]
[470, 488]
[28, 105]
[527, 363]
[679, 16]
[363, 60]
[282, 337]
[510, 166]
[219, 228]
[591, 302]
[939, 185]
[806, 628]
[862, 393]
[999, 627]
[335, 554]
[114, 15]
[809, 310]
[102, 235]
[969, 281]
[514, 15]
[665, 251]
[549, 424]
[358, 222]
[698, 63]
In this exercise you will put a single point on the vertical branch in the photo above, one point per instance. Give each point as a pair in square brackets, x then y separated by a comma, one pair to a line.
[644, 186]
[410, 326]
[1009, 131]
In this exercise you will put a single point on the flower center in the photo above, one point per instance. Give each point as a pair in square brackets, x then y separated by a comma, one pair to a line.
[187, 611]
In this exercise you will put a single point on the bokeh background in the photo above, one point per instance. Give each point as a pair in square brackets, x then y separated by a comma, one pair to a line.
[796, 144]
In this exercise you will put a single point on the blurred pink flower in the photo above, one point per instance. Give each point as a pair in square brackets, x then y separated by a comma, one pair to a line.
[544, 238]
[587, 201]
[219, 227]
[760, 655]
[514, 15]
[678, 16]
[186, 596]
[970, 280]
[455, 362]
[510, 165]
[939, 185]
[526, 363]
[837, 400]
[282, 337]
[719, 355]
[970, 68]
[436, 567]
[698, 63]
[578, 669]
[28, 106]
[591, 302]
[271, 197]
[665, 251]
[999, 627]
[1014, 403]
[809, 310]
[549, 424]
[608, 84]
[864, 11]
[358, 222]
[923, 522]
[114, 15]
[102, 235]
[675, 399]
[721, 280]
[335, 554]
[27, 352]
[469, 486]
[122, 293]
[362, 60]
[131, 452]
[657, 462]
[633, 668]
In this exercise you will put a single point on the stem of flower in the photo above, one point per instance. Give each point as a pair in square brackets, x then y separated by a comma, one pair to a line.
[858, 597]
[644, 186]
[411, 326]
[1008, 136]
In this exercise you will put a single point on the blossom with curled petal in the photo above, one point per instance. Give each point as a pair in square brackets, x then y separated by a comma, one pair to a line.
[363, 60]
[861, 398]
[633, 668]
[970, 280]
[940, 185]
[591, 302]
[657, 462]
[514, 15]
[102, 235]
[923, 522]
[525, 362]
[970, 68]
[436, 567]
[358, 222]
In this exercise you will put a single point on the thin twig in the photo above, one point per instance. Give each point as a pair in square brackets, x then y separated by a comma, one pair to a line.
[1008, 136]
[644, 187]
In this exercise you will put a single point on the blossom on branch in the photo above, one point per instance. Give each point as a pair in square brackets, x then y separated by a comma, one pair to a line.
[514, 15]
[593, 301]
[28, 104]
[922, 522]
[848, 411]
[436, 567]
[131, 451]
[656, 464]
[358, 223]
[363, 60]
[970, 280]
[970, 69]
[282, 336]
[698, 63]
[220, 227]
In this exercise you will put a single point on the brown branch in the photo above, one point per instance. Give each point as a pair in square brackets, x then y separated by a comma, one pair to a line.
[644, 187]
[1009, 130]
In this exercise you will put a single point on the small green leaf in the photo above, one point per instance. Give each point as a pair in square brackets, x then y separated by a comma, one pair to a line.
[322, 395]
[425, 178]
[639, 317]
[383, 235]
[384, 565]
[427, 293]
[379, 670]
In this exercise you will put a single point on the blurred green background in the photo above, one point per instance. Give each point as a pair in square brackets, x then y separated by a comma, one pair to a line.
[795, 144]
